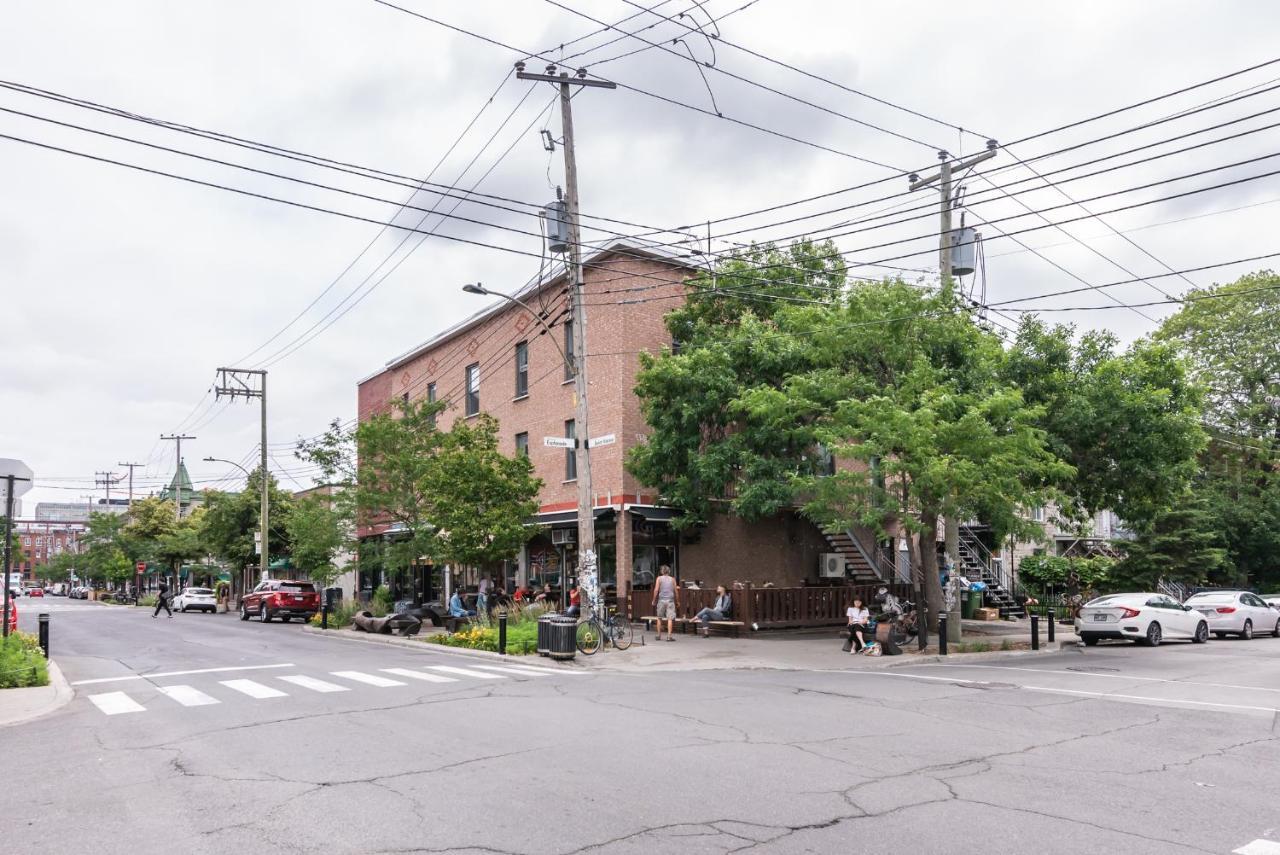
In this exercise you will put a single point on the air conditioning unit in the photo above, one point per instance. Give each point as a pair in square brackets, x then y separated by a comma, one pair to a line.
[831, 565]
[561, 536]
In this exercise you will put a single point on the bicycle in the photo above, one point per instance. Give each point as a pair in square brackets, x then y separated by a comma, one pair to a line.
[595, 630]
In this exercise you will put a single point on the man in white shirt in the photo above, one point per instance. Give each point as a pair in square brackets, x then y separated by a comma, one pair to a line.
[857, 616]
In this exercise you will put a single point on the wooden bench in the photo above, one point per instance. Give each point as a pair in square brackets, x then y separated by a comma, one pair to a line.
[686, 625]
[451, 624]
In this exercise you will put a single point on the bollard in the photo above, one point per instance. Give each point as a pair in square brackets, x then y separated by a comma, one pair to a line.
[1035, 632]
[942, 634]
[324, 614]
[502, 632]
[1052, 620]
[43, 621]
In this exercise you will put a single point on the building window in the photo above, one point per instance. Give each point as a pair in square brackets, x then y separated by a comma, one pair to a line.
[473, 388]
[877, 472]
[826, 462]
[1037, 513]
[431, 399]
[522, 369]
[522, 444]
[570, 454]
[568, 349]
[404, 399]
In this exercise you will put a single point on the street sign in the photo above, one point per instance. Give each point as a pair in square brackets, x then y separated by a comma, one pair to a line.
[558, 441]
[607, 439]
[142, 567]
[257, 543]
[21, 473]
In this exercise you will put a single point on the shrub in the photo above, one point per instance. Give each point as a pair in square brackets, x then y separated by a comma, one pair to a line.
[22, 663]
[149, 601]
[340, 617]
[522, 632]
[381, 603]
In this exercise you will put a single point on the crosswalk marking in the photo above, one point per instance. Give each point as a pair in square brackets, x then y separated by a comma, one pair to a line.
[1259, 847]
[420, 675]
[521, 672]
[463, 672]
[254, 690]
[536, 669]
[114, 703]
[188, 696]
[314, 685]
[371, 679]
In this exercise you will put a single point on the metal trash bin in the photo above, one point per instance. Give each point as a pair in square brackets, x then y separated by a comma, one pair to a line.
[544, 634]
[562, 637]
[970, 604]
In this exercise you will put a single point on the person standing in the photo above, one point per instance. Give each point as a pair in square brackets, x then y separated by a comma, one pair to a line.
[482, 595]
[162, 600]
[666, 600]
[857, 616]
[720, 610]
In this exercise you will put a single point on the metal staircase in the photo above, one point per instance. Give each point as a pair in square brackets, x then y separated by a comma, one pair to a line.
[859, 566]
[976, 563]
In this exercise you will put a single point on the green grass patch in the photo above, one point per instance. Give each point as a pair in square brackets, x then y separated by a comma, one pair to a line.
[22, 663]
[522, 632]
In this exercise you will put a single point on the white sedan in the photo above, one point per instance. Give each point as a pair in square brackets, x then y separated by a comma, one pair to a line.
[197, 599]
[1236, 613]
[1146, 618]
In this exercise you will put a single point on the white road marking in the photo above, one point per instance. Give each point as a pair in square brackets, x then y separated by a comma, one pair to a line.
[314, 685]
[535, 669]
[254, 690]
[181, 673]
[371, 679]
[420, 675]
[1092, 674]
[114, 703]
[188, 696]
[1258, 847]
[464, 672]
[520, 672]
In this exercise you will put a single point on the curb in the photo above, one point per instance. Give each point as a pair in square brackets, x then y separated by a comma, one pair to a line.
[61, 695]
[427, 647]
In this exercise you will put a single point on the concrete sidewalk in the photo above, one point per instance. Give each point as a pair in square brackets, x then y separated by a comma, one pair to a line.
[19, 705]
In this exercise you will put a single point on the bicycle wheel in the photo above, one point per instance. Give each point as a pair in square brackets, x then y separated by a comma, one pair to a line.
[589, 636]
[620, 632]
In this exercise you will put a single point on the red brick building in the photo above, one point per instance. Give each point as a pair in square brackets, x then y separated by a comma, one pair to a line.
[501, 362]
[41, 540]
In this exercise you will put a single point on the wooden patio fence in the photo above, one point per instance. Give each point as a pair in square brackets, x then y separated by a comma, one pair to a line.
[773, 608]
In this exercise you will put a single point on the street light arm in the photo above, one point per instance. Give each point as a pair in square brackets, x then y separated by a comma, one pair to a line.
[231, 462]
[480, 289]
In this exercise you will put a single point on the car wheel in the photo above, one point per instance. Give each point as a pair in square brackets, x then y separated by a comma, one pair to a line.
[244, 613]
[1275, 633]
[1153, 634]
[263, 614]
[1089, 640]
[1247, 632]
[183, 610]
[1202, 633]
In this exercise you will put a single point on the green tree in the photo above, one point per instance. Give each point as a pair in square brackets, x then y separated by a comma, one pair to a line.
[319, 530]
[1183, 545]
[230, 520]
[16, 555]
[104, 543]
[150, 519]
[183, 542]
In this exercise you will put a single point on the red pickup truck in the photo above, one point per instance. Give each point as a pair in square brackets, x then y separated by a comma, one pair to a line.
[280, 598]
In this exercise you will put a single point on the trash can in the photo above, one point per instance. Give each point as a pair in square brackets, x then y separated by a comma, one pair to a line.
[544, 634]
[562, 637]
[970, 604]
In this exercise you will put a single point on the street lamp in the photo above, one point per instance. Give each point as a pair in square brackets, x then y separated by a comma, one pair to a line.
[231, 462]
[478, 288]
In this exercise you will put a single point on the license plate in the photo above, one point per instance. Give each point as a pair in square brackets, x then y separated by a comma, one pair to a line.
[297, 599]
[1100, 618]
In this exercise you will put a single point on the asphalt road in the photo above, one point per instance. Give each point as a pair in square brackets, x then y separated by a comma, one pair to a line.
[203, 734]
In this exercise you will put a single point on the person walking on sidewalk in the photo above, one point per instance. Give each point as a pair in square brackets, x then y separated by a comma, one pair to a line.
[162, 601]
[719, 610]
[858, 617]
[666, 599]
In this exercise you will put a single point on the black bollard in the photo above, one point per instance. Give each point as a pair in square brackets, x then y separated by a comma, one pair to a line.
[1035, 632]
[43, 621]
[1052, 621]
[942, 634]
[502, 632]
[324, 614]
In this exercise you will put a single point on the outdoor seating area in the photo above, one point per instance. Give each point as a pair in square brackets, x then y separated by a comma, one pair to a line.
[764, 608]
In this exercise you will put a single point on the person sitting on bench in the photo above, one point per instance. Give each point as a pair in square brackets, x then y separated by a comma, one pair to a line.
[719, 611]
[457, 610]
[858, 617]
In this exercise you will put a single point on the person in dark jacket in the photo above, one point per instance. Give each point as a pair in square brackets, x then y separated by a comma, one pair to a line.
[162, 601]
[720, 610]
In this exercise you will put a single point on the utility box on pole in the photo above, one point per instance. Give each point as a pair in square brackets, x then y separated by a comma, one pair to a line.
[557, 217]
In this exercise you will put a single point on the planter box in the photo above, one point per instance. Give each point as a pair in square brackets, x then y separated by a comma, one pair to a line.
[986, 614]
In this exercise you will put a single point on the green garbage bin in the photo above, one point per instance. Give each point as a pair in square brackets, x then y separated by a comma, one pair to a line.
[970, 605]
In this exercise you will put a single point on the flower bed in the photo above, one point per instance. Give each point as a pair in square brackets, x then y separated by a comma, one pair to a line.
[22, 663]
[522, 632]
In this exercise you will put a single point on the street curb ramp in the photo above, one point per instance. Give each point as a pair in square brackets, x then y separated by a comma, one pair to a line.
[23, 705]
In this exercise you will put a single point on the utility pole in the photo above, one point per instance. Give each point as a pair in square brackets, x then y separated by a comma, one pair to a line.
[107, 480]
[946, 243]
[177, 482]
[132, 466]
[252, 383]
[582, 432]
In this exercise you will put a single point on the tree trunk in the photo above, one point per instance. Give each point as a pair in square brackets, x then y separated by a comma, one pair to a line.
[917, 576]
[952, 538]
[929, 566]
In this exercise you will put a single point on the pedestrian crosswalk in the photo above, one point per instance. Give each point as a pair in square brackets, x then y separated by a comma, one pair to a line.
[119, 703]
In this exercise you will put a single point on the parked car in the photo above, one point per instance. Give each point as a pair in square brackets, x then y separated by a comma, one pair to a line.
[35, 592]
[196, 599]
[1241, 613]
[280, 598]
[1272, 600]
[1147, 618]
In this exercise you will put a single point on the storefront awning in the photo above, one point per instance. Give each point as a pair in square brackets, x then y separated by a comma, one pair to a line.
[654, 514]
[563, 517]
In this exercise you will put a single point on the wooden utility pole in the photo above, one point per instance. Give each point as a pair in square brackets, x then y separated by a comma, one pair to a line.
[232, 383]
[946, 244]
[586, 497]
[132, 466]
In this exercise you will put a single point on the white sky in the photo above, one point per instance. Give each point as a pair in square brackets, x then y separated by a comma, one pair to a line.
[122, 292]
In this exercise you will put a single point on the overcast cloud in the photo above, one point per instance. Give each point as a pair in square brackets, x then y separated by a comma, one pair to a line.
[122, 292]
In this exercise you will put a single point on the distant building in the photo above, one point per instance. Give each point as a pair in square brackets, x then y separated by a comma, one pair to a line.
[181, 487]
[77, 512]
[41, 540]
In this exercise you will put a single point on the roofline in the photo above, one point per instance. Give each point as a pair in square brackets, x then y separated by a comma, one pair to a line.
[656, 252]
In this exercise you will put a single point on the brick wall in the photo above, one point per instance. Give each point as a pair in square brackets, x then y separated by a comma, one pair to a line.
[783, 549]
